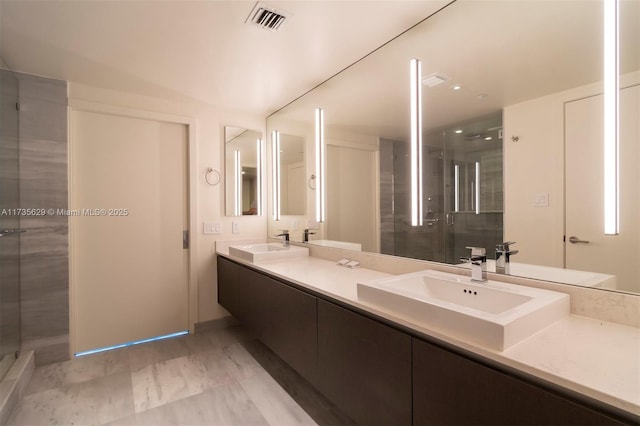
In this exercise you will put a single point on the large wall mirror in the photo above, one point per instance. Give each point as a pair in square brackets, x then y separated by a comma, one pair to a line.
[243, 159]
[512, 90]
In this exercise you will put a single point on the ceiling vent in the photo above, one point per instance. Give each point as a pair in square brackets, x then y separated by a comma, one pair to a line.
[434, 79]
[266, 17]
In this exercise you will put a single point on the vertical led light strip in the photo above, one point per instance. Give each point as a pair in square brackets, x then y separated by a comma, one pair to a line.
[456, 188]
[415, 82]
[275, 158]
[238, 182]
[320, 167]
[611, 116]
[259, 176]
[477, 188]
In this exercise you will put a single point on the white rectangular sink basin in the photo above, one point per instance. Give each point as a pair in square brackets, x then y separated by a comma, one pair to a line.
[493, 314]
[268, 251]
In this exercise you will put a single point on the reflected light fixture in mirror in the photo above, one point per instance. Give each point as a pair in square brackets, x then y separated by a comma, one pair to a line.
[320, 166]
[456, 188]
[415, 81]
[611, 118]
[477, 194]
[237, 172]
[275, 158]
[259, 176]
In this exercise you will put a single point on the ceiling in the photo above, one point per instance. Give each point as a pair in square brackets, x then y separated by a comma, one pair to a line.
[199, 50]
[500, 52]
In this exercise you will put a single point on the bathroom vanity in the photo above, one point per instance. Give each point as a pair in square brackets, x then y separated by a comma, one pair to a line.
[381, 369]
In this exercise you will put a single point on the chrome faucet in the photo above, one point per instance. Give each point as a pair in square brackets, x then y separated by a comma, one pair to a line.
[478, 261]
[285, 237]
[503, 255]
[305, 235]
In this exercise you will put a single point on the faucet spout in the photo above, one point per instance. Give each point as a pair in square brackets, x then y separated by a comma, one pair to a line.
[478, 262]
[503, 257]
[305, 235]
[285, 237]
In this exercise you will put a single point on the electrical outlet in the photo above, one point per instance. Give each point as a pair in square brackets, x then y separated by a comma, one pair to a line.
[235, 227]
[295, 225]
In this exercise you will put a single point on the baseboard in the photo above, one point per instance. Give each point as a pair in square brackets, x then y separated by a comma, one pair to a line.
[216, 324]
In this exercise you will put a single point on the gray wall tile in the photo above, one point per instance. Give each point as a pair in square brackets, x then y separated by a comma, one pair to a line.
[44, 250]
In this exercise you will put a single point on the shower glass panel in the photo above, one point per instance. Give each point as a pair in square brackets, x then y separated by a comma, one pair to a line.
[9, 221]
[474, 194]
[463, 193]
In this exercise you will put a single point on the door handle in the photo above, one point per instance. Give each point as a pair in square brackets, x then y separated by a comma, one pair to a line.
[576, 240]
[449, 218]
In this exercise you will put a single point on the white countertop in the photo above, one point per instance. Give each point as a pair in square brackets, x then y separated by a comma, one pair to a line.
[595, 358]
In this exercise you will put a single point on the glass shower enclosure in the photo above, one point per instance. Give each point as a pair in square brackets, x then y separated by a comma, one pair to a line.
[9, 221]
[463, 193]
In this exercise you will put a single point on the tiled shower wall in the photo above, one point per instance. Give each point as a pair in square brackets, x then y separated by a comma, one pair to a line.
[387, 221]
[446, 239]
[45, 246]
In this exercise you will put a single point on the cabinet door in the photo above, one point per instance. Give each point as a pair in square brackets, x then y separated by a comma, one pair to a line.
[364, 366]
[292, 330]
[228, 295]
[254, 301]
[449, 389]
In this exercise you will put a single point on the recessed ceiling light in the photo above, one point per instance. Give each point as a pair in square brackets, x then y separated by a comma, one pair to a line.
[456, 87]
[488, 138]
[482, 96]
[458, 131]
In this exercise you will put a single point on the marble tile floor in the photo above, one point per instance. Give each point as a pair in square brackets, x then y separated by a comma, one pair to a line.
[215, 377]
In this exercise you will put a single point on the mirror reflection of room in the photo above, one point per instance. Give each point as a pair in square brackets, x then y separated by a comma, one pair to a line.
[242, 191]
[292, 175]
[518, 186]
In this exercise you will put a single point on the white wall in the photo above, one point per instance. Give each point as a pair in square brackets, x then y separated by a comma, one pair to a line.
[534, 165]
[210, 124]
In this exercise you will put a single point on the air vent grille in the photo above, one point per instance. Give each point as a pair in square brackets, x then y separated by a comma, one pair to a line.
[266, 17]
[434, 79]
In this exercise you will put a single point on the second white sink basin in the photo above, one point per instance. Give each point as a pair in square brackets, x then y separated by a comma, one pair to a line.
[267, 251]
[493, 314]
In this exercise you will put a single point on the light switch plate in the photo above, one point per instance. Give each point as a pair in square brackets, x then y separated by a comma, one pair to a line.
[211, 227]
[541, 200]
[235, 227]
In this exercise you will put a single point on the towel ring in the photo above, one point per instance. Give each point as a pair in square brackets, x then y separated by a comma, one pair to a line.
[207, 176]
[312, 178]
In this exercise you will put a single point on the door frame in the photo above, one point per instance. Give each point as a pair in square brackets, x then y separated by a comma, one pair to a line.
[76, 105]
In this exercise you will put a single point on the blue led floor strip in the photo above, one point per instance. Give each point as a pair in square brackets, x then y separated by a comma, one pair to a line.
[137, 342]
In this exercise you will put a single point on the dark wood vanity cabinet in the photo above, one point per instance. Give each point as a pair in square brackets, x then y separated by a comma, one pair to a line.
[228, 289]
[282, 317]
[449, 389]
[291, 330]
[364, 366]
[378, 374]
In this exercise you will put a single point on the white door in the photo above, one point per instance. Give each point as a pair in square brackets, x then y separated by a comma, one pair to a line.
[620, 254]
[352, 200]
[129, 268]
[296, 183]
